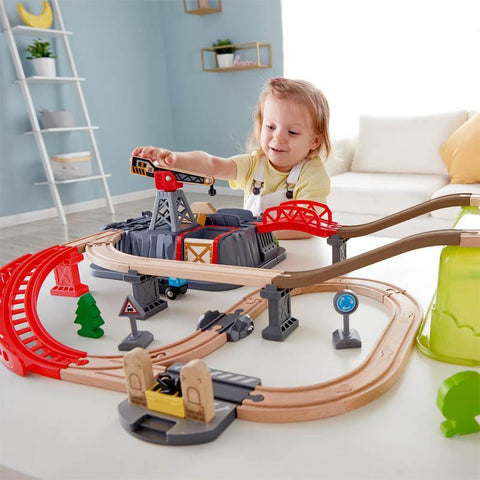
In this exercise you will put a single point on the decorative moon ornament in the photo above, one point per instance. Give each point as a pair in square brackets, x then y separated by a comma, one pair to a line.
[44, 20]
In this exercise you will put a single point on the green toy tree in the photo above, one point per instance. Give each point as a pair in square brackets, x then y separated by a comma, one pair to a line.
[88, 316]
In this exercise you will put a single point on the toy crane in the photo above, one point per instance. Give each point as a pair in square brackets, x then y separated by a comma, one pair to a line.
[171, 206]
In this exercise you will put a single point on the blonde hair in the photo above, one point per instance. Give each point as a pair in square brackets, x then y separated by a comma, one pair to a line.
[305, 94]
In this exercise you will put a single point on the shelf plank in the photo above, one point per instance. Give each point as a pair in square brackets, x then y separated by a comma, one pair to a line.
[75, 180]
[204, 11]
[234, 69]
[46, 32]
[66, 129]
[51, 80]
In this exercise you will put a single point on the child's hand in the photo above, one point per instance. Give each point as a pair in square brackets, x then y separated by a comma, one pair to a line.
[161, 157]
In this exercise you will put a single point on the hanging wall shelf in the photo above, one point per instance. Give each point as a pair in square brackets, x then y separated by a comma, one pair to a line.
[248, 56]
[202, 7]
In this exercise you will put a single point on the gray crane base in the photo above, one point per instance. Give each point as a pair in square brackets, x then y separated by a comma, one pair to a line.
[143, 339]
[343, 341]
[164, 429]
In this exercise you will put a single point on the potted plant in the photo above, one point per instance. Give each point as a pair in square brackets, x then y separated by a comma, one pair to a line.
[224, 53]
[42, 59]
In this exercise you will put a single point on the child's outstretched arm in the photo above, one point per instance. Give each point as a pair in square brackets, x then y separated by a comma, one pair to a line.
[198, 162]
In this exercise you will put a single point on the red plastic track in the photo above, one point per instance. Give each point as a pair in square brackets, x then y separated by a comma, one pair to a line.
[304, 215]
[25, 345]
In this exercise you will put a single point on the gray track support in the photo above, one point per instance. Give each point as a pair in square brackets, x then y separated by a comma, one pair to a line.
[280, 321]
[146, 292]
[339, 248]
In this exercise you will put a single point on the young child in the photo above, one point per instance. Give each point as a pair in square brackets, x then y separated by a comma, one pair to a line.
[289, 135]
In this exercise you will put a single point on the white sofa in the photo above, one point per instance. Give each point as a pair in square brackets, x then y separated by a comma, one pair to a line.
[393, 164]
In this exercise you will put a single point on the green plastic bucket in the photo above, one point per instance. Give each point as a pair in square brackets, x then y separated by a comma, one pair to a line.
[451, 328]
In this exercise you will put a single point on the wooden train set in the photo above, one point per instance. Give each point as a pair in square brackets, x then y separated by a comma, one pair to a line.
[26, 346]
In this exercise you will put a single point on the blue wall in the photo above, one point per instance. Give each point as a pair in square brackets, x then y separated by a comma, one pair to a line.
[145, 85]
[212, 111]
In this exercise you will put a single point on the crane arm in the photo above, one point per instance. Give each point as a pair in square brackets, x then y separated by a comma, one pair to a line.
[145, 167]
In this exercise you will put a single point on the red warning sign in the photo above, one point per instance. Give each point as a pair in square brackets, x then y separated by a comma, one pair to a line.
[129, 308]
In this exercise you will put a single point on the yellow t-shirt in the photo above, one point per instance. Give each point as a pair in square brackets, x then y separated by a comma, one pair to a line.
[313, 182]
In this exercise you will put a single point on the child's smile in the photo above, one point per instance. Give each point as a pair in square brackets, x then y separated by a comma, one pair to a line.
[277, 150]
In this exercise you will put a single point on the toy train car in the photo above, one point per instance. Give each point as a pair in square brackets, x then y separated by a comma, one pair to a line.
[172, 287]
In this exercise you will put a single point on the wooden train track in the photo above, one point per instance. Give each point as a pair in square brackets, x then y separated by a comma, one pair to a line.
[107, 256]
[107, 371]
[371, 379]
[379, 371]
[453, 200]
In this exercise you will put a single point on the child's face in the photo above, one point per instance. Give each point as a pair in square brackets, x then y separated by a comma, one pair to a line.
[287, 134]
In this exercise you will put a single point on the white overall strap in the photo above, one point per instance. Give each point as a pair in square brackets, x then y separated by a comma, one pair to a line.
[257, 182]
[293, 178]
[257, 203]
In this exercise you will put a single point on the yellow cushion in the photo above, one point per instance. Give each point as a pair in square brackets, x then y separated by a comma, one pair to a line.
[461, 152]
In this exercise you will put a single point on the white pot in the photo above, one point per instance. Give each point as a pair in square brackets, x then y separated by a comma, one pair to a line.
[44, 67]
[225, 60]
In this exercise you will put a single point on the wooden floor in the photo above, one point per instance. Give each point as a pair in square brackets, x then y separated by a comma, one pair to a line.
[32, 237]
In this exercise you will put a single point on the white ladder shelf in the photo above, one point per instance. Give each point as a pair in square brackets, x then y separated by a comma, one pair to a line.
[24, 82]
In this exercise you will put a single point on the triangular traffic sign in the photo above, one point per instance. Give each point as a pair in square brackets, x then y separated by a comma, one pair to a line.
[130, 308]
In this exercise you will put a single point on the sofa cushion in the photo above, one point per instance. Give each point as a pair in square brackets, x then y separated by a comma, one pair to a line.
[341, 156]
[452, 212]
[381, 193]
[461, 152]
[404, 144]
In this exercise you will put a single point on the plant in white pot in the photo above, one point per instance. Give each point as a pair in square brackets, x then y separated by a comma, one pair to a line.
[224, 50]
[42, 59]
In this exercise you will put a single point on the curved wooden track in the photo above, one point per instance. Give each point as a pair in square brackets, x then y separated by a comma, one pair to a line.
[380, 370]
[107, 371]
[453, 200]
[371, 379]
[462, 238]
[107, 256]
